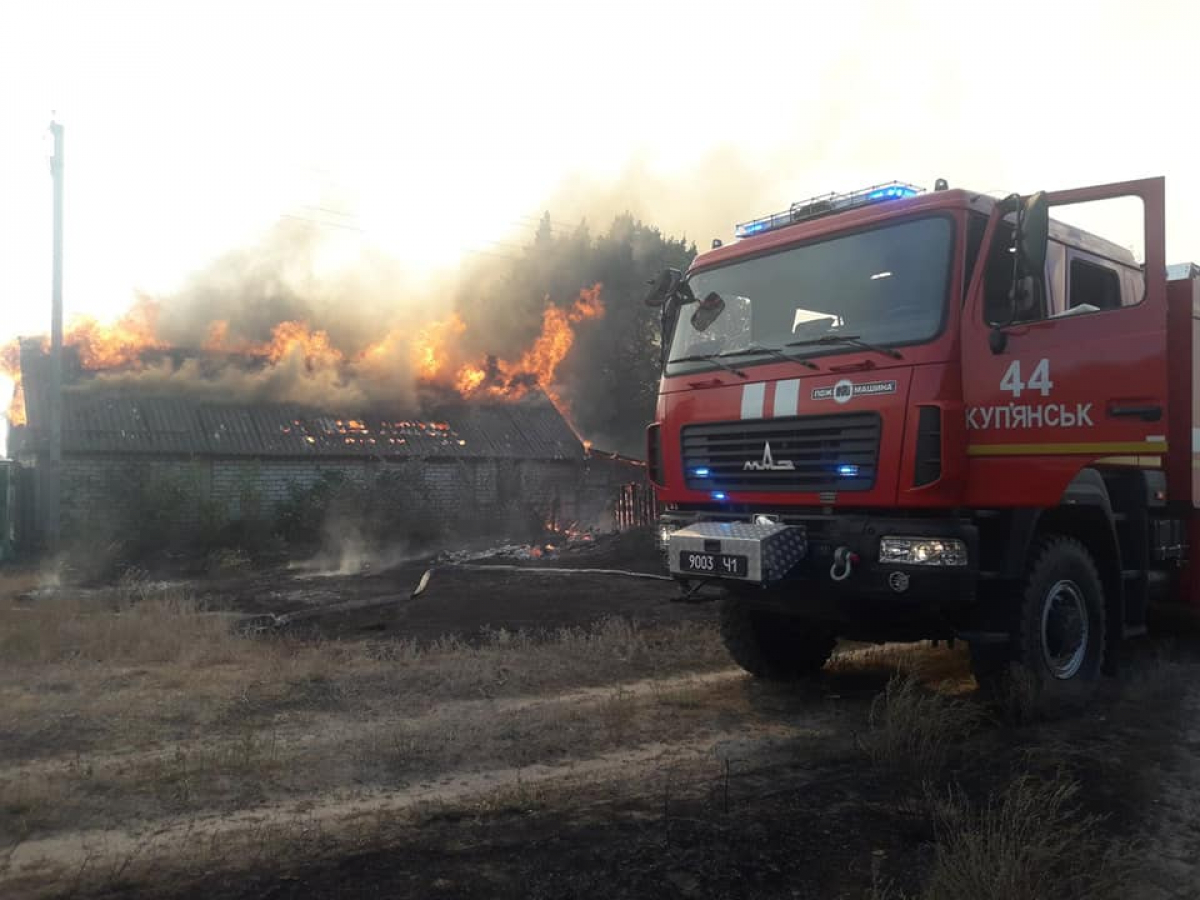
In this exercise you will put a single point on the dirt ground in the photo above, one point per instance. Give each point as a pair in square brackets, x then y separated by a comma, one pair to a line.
[549, 735]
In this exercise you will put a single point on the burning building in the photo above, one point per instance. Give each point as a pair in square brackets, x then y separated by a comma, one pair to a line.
[230, 431]
[473, 462]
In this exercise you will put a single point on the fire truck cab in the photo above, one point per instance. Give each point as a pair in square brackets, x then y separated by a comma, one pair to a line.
[898, 415]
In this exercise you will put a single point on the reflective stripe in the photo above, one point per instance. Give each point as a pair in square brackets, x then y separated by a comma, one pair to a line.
[787, 397]
[1102, 447]
[752, 400]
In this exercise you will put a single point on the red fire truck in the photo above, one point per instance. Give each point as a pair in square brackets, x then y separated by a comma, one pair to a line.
[899, 415]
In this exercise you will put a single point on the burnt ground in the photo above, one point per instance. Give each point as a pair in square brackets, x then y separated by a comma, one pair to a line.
[608, 761]
[798, 818]
[462, 601]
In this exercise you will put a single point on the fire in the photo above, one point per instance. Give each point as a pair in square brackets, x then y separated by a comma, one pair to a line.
[10, 368]
[539, 364]
[296, 339]
[218, 337]
[119, 344]
[432, 352]
[97, 345]
[469, 378]
[289, 339]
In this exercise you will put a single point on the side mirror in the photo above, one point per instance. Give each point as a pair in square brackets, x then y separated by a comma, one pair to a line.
[661, 287]
[1026, 298]
[1029, 264]
[707, 311]
[1034, 234]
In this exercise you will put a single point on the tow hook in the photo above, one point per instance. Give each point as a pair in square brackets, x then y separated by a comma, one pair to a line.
[843, 563]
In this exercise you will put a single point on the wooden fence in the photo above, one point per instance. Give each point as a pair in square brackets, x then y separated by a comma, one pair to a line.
[636, 505]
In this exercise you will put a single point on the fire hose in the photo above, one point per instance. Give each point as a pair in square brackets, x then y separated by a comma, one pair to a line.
[539, 570]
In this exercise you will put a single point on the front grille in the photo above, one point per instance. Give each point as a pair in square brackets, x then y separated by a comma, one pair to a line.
[837, 452]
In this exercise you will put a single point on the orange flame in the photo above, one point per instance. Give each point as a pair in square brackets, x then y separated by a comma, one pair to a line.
[433, 351]
[119, 344]
[430, 346]
[296, 339]
[539, 364]
[97, 345]
[289, 339]
[469, 378]
[10, 368]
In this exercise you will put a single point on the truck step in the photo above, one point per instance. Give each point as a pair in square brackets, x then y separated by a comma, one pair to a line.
[1132, 574]
[1130, 631]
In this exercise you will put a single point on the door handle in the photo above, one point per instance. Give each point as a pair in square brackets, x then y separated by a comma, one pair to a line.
[1147, 412]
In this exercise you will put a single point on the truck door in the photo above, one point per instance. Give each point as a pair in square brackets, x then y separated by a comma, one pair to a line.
[1082, 371]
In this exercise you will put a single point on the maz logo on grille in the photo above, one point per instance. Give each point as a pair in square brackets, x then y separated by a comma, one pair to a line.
[768, 463]
[798, 453]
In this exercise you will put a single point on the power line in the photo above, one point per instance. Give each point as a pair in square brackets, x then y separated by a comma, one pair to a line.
[334, 212]
[325, 223]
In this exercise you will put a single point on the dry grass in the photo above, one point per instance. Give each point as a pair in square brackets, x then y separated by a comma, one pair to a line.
[1029, 842]
[913, 729]
[164, 626]
[136, 703]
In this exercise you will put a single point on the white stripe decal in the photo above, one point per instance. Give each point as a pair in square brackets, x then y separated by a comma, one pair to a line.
[752, 400]
[1196, 440]
[787, 397]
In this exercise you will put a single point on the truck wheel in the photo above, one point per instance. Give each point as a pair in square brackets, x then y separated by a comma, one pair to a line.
[1058, 639]
[772, 645]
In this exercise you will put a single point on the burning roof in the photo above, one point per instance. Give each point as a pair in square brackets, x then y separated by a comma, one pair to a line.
[301, 363]
[101, 422]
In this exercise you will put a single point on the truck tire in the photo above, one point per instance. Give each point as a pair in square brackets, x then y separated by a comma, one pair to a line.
[771, 645]
[1058, 635]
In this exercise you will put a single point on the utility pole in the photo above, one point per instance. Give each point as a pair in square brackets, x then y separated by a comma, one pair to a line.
[53, 477]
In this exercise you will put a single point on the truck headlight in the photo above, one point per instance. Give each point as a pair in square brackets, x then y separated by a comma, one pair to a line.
[923, 551]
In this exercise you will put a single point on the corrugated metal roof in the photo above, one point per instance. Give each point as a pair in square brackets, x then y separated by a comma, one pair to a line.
[102, 422]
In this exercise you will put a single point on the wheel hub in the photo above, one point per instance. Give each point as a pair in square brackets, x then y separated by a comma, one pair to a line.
[1065, 629]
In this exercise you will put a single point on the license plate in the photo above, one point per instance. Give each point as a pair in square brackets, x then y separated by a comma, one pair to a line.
[716, 564]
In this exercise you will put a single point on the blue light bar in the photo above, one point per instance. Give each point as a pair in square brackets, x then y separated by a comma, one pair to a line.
[719, 495]
[701, 472]
[827, 204]
[895, 192]
[847, 470]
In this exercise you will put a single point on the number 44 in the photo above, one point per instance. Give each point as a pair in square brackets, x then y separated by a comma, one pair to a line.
[1039, 380]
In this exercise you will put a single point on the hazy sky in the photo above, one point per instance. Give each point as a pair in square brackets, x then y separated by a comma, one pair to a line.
[193, 126]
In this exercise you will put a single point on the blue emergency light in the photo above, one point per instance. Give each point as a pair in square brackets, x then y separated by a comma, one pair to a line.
[719, 495]
[827, 204]
[701, 472]
[848, 470]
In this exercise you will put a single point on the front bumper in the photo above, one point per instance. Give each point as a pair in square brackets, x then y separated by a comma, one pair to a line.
[821, 541]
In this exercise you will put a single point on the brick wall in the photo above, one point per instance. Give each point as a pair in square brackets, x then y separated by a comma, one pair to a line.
[102, 495]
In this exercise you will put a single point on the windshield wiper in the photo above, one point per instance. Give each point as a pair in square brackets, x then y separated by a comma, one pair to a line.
[770, 351]
[714, 358]
[852, 339]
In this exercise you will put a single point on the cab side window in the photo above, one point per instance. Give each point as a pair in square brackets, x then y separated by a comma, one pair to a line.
[1094, 286]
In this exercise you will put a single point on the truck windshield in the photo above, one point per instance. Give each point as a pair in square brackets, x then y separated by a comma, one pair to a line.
[886, 287]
